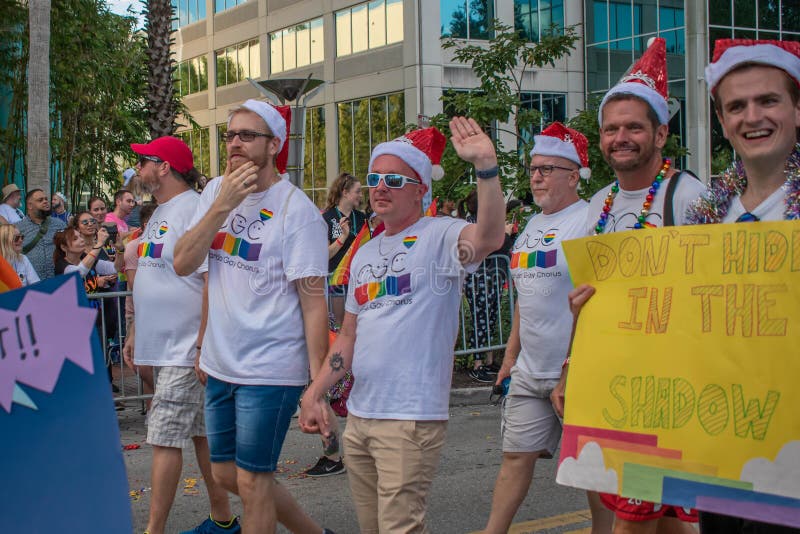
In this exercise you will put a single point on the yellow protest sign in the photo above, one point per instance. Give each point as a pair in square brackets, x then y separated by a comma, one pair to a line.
[683, 383]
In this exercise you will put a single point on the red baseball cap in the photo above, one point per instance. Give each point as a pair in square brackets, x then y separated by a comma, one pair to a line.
[170, 149]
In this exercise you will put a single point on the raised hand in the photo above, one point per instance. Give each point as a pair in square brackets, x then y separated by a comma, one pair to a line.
[471, 143]
[236, 185]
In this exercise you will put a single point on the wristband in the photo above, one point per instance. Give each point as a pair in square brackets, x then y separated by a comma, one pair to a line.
[339, 242]
[97, 248]
[488, 173]
[566, 362]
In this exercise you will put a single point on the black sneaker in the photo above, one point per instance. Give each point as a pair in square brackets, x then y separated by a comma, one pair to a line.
[480, 375]
[326, 467]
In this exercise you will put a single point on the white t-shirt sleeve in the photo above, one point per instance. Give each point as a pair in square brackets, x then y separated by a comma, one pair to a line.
[305, 247]
[81, 269]
[207, 197]
[31, 276]
[104, 268]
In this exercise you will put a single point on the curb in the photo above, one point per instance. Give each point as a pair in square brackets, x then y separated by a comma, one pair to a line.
[470, 396]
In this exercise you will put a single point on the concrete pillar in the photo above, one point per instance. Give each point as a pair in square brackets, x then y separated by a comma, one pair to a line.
[698, 109]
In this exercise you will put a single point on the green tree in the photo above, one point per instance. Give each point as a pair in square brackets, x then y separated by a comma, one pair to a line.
[162, 101]
[501, 65]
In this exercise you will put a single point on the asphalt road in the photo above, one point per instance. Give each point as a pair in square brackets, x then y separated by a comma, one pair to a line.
[459, 502]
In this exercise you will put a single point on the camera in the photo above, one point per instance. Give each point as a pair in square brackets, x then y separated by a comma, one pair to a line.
[111, 228]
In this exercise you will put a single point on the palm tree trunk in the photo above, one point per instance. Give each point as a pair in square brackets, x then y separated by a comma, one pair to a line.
[38, 175]
[161, 103]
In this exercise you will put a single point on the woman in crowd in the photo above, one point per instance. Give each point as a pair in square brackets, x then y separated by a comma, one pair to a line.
[11, 249]
[97, 207]
[87, 226]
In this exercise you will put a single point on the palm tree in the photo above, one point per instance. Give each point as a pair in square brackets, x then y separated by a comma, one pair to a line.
[38, 176]
[162, 104]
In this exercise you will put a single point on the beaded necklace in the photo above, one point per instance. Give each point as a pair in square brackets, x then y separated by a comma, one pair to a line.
[648, 201]
[713, 206]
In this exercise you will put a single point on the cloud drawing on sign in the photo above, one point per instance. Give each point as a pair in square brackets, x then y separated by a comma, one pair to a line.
[781, 477]
[35, 341]
[588, 471]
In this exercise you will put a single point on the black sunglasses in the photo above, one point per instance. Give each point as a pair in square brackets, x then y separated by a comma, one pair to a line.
[154, 159]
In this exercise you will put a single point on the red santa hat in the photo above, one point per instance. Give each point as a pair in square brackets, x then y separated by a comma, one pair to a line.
[559, 141]
[730, 53]
[419, 149]
[647, 80]
[278, 119]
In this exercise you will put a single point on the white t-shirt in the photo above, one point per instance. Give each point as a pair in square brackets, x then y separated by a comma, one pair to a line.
[406, 291]
[771, 209]
[24, 269]
[255, 330]
[10, 214]
[628, 204]
[170, 305]
[541, 276]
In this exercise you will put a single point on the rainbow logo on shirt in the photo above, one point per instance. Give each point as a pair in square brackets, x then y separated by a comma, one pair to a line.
[409, 241]
[548, 238]
[150, 250]
[162, 229]
[236, 246]
[540, 258]
[390, 286]
[265, 214]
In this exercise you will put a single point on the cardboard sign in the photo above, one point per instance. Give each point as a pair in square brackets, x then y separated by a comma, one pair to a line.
[60, 451]
[683, 380]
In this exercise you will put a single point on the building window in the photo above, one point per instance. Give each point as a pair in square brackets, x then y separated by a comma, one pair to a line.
[296, 46]
[552, 106]
[314, 172]
[187, 12]
[368, 25]
[535, 18]
[365, 123]
[467, 19]
[191, 76]
[222, 5]
[222, 148]
[238, 62]
[197, 140]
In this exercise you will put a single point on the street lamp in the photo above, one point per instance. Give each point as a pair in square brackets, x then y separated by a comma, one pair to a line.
[297, 92]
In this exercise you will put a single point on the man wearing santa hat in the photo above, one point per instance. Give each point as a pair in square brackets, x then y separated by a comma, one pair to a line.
[266, 245]
[541, 327]
[647, 192]
[755, 87]
[400, 325]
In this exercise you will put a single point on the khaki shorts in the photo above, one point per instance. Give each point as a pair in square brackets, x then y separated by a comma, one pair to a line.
[529, 423]
[176, 414]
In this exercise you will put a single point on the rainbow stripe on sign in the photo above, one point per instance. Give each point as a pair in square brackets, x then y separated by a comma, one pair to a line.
[540, 258]
[409, 241]
[391, 285]
[150, 250]
[265, 214]
[236, 246]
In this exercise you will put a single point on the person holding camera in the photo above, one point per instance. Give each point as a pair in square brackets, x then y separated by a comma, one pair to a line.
[87, 226]
[38, 229]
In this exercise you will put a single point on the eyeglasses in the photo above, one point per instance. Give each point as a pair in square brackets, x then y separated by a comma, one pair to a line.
[392, 181]
[87, 222]
[154, 159]
[546, 170]
[246, 136]
[18, 238]
[747, 217]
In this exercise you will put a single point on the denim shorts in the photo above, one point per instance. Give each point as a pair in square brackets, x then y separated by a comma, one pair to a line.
[247, 424]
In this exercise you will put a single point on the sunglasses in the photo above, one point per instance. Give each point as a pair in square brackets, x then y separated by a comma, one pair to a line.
[18, 238]
[87, 222]
[145, 159]
[246, 136]
[545, 170]
[747, 217]
[392, 181]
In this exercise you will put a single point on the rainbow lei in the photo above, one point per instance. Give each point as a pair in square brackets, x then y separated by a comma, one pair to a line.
[714, 204]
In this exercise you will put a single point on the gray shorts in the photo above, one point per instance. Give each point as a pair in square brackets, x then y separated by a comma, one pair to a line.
[529, 423]
[176, 414]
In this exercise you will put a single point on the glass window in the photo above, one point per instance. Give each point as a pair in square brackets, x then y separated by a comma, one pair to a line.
[297, 46]
[197, 139]
[744, 13]
[719, 12]
[369, 25]
[222, 5]
[552, 106]
[237, 63]
[222, 148]
[535, 17]
[365, 123]
[314, 171]
[187, 12]
[466, 19]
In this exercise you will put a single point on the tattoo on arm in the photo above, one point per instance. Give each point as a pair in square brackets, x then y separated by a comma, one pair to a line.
[337, 363]
[330, 445]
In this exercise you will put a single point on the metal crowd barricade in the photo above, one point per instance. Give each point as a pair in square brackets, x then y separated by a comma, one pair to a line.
[127, 384]
[487, 308]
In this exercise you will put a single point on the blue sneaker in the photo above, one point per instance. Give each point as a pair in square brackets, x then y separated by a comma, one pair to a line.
[210, 527]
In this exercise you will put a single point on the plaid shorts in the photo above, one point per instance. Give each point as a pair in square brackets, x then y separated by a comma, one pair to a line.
[176, 414]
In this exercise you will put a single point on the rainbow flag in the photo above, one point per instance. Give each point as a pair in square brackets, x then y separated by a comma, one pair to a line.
[341, 275]
[431, 211]
[8, 277]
